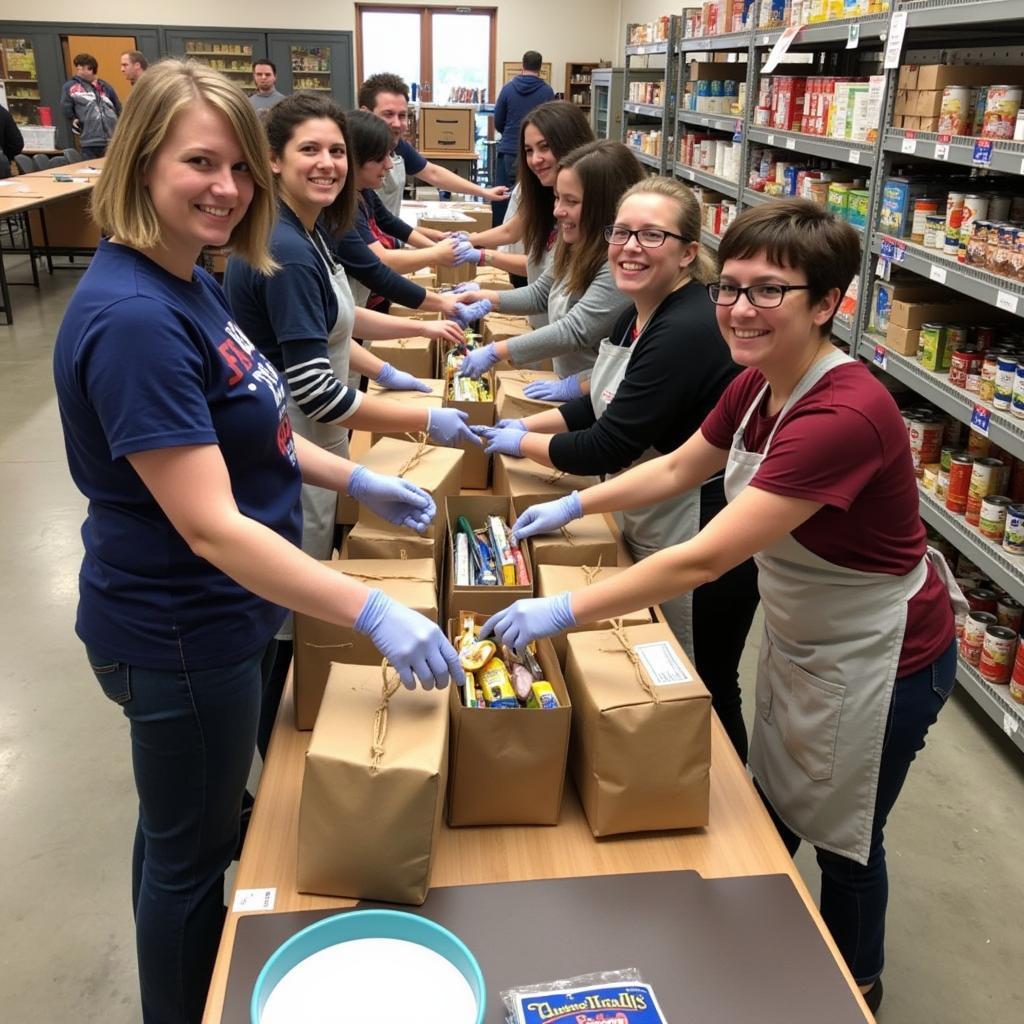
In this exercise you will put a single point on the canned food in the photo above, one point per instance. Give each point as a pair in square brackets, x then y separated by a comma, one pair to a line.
[954, 217]
[941, 484]
[921, 209]
[946, 456]
[964, 362]
[987, 477]
[1006, 373]
[1010, 613]
[1017, 401]
[973, 638]
[999, 208]
[960, 468]
[1002, 104]
[975, 209]
[930, 476]
[982, 599]
[925, 437]
[982, 338]
[934, 230]
[997, 651]
[1013, 536]
[987, 380]
[1017, 676]
[955, 110]
[931, 345]
[992, 520]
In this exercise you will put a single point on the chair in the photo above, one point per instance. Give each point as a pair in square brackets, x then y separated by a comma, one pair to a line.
[57, 161]
[42, 161]
[73, 156]
[25, 164]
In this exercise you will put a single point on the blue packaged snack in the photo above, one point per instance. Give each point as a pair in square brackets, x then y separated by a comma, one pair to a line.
[613, 1003]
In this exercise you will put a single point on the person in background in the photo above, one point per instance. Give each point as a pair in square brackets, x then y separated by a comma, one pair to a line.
[516, 99]
[858, 655]
[12, 142]
[177, 431]
[264, 76]
[91, 107]
[387, 96]
[133, 63]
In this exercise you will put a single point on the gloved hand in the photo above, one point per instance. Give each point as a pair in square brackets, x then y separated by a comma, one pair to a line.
[465, 253]
[399, 380]
[547, 517]
[459, 236]
[463, 286]
[501, 441]
[554, 390]
[479, 361]
[467, 314]
[392, 498]
[530, 619]
[448, 426]
[410, 641]
[512, 425]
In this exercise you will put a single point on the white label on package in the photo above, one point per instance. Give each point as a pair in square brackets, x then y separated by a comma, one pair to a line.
[662, 664]
[1004, 300]
[894, 44]
[254, 899]
[937, 273]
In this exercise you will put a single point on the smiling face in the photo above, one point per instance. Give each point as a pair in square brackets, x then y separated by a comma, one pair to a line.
[539, 157]
[372, 173]
[265, 79]
[313, 167]
[393, 109]
[199, 184]
[568, 204]
[640, 272]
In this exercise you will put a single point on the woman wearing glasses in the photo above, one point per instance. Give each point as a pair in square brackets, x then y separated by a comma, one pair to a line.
[577, 290]
[858, 657]
[657, 375]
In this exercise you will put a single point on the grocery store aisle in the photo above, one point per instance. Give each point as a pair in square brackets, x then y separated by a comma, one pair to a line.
[67, 800]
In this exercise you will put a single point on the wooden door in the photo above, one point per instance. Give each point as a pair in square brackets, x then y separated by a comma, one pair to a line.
[107, 50]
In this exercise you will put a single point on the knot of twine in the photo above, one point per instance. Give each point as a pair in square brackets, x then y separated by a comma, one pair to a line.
[402, 342]
[389, 576]
[380, 718]
[422, 448]
[554, 478]
[591, 574]
[526, 376]
[625, 647]
[567, 534]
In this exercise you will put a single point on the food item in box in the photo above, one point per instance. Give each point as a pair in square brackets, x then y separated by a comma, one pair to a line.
[542, 696]
[496, 685]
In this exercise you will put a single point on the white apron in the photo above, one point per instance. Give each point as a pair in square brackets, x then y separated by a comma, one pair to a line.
[829, 656]
[578, 360]
[651, 529]
[534, 269]
[394, 186]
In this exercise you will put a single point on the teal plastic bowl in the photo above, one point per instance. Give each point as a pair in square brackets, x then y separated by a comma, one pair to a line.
[367, 924]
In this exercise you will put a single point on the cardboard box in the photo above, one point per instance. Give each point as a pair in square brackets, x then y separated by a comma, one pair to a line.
[414, 355]
[417, 399]
[902, 340]
[425, 278]
[641, 743]
[480, 213]
[938, 76]
[450, 219]
[506, 766]
[493, 279]
[483, 599]
[512, 402]
[554, 579]
[907, 77]
[501, 327]
[903, 102]
[372, 798]
[913, 314]
[367, 542]
[436, 470]
[585, 541]
[446, 128]
[527, 481]
[910, 288]
[318, 644]
[476, 463]
[927, 103]
[395, 309]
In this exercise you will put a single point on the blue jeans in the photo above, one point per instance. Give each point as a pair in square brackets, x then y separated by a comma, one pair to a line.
[193, 735]
[506, 167]
[854, 896]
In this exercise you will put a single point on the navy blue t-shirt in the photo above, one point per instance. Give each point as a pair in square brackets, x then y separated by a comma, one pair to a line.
[415, 161]
[144, 361]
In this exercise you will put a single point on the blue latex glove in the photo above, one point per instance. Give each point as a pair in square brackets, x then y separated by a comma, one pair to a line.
[469, 313]
[392, 498]
[547, 517]
[554, 390]
[463, 286]
[502, 441]
[465, 253]
[448, 426]
[519, 425]
[411, 642]
[459, 237]
[479, 360]
[399, 380]
[530, 619]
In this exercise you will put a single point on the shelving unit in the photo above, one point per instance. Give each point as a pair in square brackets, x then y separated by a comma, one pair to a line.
[230, 58]
[648, 116]
[20, 78]
[578, 80]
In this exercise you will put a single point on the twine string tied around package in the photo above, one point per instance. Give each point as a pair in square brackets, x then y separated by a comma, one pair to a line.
[625, 647]
[590, 573]
[422, 449]
[380, 717]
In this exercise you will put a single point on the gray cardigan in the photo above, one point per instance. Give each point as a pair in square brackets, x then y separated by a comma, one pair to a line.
[573, 337]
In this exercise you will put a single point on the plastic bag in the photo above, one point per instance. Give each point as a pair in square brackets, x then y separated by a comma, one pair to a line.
[606, 997]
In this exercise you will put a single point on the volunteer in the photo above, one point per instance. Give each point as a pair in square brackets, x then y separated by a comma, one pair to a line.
[658, 374]
[387, 96]
[303, 316]
[176, 431]
[577, 290]
[858, 656]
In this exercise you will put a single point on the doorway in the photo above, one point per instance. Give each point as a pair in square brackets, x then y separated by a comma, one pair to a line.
[107, 50]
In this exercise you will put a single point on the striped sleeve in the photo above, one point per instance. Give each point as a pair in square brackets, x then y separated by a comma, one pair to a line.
[318, 393]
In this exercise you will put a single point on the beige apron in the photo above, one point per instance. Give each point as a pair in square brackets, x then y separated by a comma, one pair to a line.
[651, 529]
[394, 186]
[829, 655]
[534, 269]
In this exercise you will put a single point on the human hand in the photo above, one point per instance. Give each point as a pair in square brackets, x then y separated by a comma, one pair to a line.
[448, 426]
[396, 500]
[469, 313]
[502, 441]
[399, 380]
[413, 644]
[465, 253]
[444, 253]
[513, 425]
[548, 516]
[443, 330]
[463, 287]
[498, 194]
[478, 361]
[554, 390]
[529, 619]
[458, 236]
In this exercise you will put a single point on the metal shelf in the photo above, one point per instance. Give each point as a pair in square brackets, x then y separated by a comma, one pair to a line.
[995, 701]
[949, 14]
[647, 109]
[1007, 157]
[978, 284]
[710, 239]
[699, 177]
[751, 198]
[1004, 430]
[724, 41]
[644, 158]
[640, 50]
[720, 122]
[843, 332]
[843, 150]
[872, 26]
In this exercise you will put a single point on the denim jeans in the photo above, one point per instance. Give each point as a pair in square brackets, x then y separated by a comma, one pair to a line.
[854, 896]
[506, 166]
[193, 734]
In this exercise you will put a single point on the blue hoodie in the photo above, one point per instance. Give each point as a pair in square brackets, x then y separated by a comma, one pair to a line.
[516, 99]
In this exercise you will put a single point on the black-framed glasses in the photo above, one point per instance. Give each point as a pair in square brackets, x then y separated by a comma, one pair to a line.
[764, 296]
[649, 238]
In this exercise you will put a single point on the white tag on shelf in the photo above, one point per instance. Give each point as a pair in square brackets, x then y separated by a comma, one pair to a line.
[980, 417]
[790, 143]
[1010, 724]
[771, 140]
[942, 152]
[1022, 167]
[662, 664]
[254, 899]
[1004, 300]
[853, 36]
[780, 49]
[705, 121]
[879, 358]
[883, 268]
[854, 156]
[937, 273]
[908, 146]
[894, 44]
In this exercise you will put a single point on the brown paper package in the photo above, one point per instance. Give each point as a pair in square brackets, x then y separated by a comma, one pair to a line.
[585, 541]
[528, 482]
[556, 579]
[502, 326]
[512, 401]
[416, 399]
[476, 463]
[369, 831]
[414, 355]
[639, 764]
[368, 542]
[506, 766]
[318, 644]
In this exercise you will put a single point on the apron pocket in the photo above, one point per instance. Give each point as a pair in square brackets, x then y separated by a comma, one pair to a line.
[809, 722]
[763, 684]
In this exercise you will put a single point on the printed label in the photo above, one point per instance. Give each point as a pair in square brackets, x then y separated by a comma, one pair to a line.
[853, 36]
[1007, 301]
[254, 899]
[937, 274]
[662, 664]
[982, 152]
[894, 44]
[854, 156]
[627, 1003]
[980, 417]
[879, 358]
[909, 146]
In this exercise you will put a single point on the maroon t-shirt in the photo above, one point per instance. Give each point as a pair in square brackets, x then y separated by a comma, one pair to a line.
[844, 444]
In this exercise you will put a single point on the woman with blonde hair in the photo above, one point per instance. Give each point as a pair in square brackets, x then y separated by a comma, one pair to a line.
[176, 430]
[657, 376]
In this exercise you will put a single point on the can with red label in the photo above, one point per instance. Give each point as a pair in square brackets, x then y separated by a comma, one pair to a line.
[973, 638]
[964, 363]
[982, 599]
[1017, 677]
[960, 469]
[925, 440]
[988, 476]
[1010, 613]
[997, 650]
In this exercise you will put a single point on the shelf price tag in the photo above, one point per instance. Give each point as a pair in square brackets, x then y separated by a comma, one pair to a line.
[899, 251]
[980, 417]
[737, 132]
[982, 152]
[942, 147]
[878, 358]
[853, 36]
[688, 172]
[854, 156]
[888, 245]
[1007, 301]
[937, 273]
[909, 145]
[780, 49]
[771, 140]
[894, 44]
[790, 143]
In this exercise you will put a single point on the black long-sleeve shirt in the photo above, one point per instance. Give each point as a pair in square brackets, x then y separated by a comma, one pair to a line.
[11, 140]
[678, 369]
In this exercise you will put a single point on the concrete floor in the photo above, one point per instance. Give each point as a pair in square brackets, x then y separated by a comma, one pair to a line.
[67, 812]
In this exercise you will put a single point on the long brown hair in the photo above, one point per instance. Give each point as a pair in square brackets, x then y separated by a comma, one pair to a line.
[564, 127]
[605, 169]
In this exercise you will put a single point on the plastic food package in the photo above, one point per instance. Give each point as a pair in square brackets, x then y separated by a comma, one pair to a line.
[608, 996]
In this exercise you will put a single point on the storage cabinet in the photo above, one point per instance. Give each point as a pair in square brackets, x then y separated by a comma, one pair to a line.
[606, 105]
[20, 77]
[229, 51]
[578, 83]
[318, 62]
